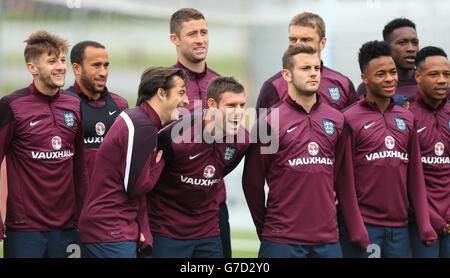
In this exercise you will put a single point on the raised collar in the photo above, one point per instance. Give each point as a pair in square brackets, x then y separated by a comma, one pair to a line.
[192, 74]
[33, 90]
[152, 114]
[80, 92]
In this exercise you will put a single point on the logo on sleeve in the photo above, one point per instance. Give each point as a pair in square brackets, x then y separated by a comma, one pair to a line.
[209, 171]
[313, 148]
[439, 148]
[69, 119]
[400, 123]
[390, 142]
[56, 142]
[100, 128]
[335, 93]
[229, 153]
[328, 127]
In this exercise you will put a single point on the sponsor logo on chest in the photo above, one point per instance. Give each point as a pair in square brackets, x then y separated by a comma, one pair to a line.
[56, 143]
[208, 172]
[313, 149]
[389, 142]
[439, 151]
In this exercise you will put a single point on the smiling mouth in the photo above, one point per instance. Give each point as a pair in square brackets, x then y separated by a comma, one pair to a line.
[410, 59]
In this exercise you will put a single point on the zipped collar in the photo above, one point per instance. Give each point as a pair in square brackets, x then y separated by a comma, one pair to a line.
[371, 104]
[152, 114]
[80, 92]
[192, 74]
[34, 91]
[419, 99]
[297, 106]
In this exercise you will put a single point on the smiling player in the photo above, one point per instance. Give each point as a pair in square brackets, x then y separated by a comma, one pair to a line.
[183, 207]
[41, 135]
[432, 112]
[386, 158]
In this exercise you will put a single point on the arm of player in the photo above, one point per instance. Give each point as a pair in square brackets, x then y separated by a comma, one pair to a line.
[417, 191]
[7, 129]
[346, 193]
[80, 173]
[351, 93]
[253, 180]
[268, 96]
[436, 220]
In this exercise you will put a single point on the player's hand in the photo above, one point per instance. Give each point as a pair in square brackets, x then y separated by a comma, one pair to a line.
[159, 156]
[141, 238]
[444, 231]
[406, 104]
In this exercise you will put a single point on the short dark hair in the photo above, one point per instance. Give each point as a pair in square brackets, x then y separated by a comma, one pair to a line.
[395, 24]
[77, 53]
[41, 41]
[309, 20]
[294, 50]
[179, 17]
[371, 50]
[427, 52]
[154, 78]
[222, 84]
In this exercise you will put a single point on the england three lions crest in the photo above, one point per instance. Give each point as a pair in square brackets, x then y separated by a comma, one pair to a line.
[328, 127]
[400, 123]
[335, 93]
[230, 153]
[69, 119]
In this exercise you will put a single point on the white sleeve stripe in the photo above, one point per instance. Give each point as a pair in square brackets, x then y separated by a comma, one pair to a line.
[129, 147]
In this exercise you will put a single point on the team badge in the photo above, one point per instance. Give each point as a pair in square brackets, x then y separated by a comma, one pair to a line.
[313, 148]
[209, 171]
[100, 128]
[56, 142]
[439, 149]
[335, 93]
[229, 153]
[400, 123]
[328, 127]
[389, 141]
[69, 119]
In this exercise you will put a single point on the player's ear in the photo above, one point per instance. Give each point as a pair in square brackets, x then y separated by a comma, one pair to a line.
[32, 68]
[364, 78]
[174, 39]
[76, 68]
[287, 75]
[417, 76]
[161, 94]
[212, 104]
[322, 43]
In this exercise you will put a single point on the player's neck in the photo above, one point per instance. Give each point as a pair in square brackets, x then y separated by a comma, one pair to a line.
[430, 102]
[44, 89]
[405, 74]
[195, 67]
[87, 92]
[307, 101]
[381, 102]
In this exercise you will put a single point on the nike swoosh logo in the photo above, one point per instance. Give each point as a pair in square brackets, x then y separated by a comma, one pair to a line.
[369, 125]
[112, 113]
[34, 123]
[420, 130]
[291, 129]
[194, 156]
